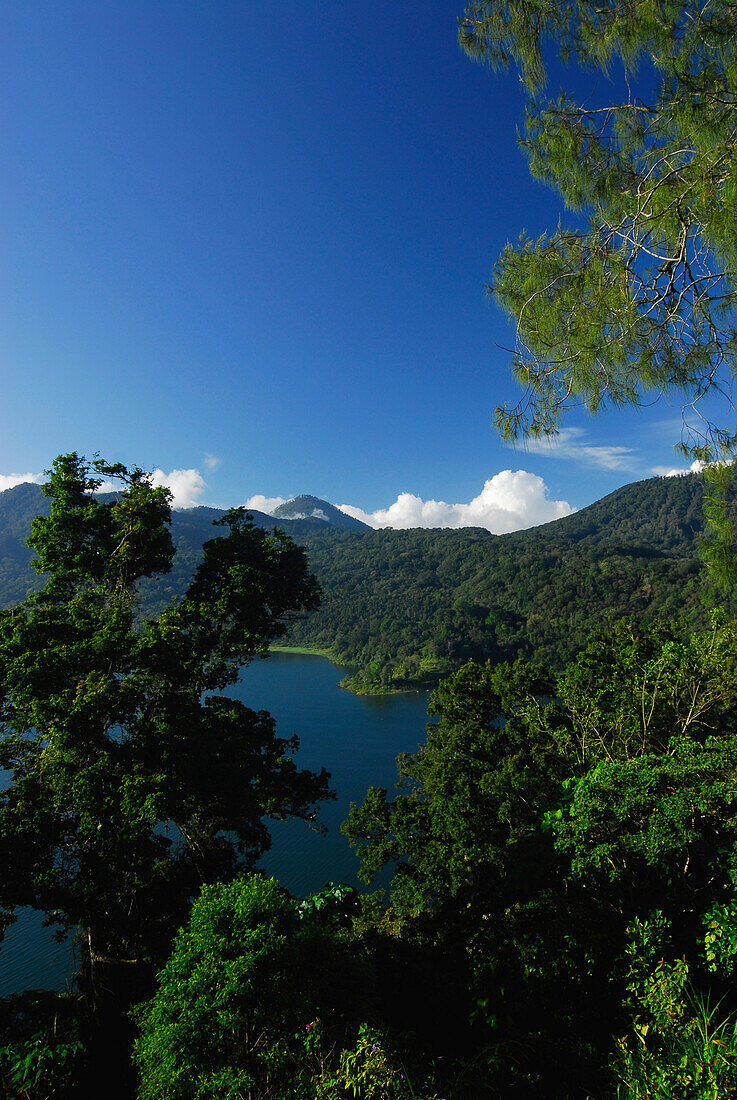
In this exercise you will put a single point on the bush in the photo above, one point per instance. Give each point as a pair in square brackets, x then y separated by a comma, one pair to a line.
[246, 981]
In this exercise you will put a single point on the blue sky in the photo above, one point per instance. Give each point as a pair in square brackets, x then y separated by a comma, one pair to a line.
[254, 244]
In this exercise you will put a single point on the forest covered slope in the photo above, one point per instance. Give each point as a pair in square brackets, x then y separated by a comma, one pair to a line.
[403, 607]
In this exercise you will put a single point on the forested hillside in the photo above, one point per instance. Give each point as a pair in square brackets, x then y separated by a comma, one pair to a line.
[407, 605]
[190, 528]
[402, 607]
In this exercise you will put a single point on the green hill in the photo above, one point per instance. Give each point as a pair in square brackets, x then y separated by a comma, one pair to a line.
[190, 528]
[403, 607]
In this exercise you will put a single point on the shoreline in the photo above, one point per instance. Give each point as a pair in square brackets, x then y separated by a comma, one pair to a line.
[305, 649]
[311, 651]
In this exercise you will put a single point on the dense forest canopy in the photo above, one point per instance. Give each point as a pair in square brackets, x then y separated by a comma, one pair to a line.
[403, 607]
[407, 605]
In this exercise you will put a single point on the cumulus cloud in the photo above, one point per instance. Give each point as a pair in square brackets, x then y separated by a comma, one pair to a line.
[510, 501]
[7, 481]
[212, 461]
[679, 471]
[261, 503]
[572, 443]
[187, 486]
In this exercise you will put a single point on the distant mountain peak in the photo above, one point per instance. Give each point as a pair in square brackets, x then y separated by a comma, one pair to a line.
[308, 507]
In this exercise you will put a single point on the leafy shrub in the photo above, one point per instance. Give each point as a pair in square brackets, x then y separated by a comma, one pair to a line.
[41, 1056]
[237, 999]
[680, 1046]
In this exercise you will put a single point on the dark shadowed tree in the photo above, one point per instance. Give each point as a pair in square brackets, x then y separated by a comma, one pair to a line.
[133, 780]
[544, 817]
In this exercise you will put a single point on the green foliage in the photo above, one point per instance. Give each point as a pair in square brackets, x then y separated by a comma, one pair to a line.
[37, 1068]
[270, 997]
[131, 782]
[679, 1046]
[239, 1000]
[640, 298]
[469, 790]
[404, 608]
[42, 1054]
[720, 939]
[336, 904]
[720, 546]
[366, 1071]
[544, 817]
[652, 745]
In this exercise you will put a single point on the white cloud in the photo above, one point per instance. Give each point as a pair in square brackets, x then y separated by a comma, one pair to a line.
[187, 486]
[7, 481]
[212, 461]
[509, 501]
[678, 471]
[571, 443]
[261, 503]
[316, 513]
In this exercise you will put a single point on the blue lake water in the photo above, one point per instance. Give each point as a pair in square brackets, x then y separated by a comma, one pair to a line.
[355, 737]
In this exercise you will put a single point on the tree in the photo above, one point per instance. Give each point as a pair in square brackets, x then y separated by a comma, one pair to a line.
[642, 298]
[132, 779]
[545, 816]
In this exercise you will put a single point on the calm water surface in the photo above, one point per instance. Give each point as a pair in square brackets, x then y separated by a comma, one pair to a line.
[355, 737]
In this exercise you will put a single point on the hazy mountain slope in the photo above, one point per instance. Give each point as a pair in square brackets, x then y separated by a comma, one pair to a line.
[18, 506]
[190, 528]
[308, 507]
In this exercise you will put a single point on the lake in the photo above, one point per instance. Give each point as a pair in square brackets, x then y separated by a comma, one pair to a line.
[355, 737]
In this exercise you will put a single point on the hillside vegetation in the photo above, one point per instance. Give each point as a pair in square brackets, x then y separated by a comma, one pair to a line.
[404, 607]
